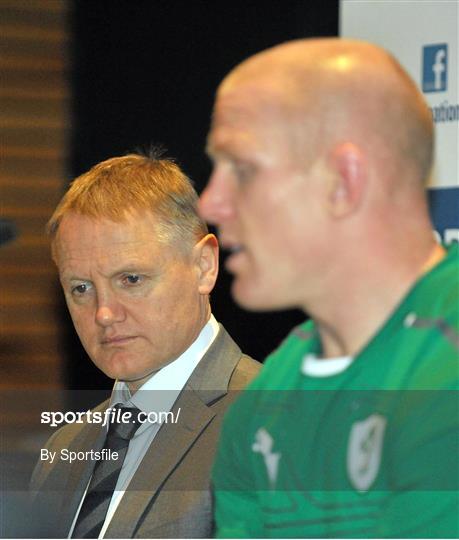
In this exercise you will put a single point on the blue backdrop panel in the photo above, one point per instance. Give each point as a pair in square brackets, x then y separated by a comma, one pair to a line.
[444, 209]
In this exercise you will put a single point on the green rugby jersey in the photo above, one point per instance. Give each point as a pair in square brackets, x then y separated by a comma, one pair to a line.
[368, 451]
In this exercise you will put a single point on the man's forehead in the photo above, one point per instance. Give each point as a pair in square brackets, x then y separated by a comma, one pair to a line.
[264, 89]
[70, 254]
[246, 106]
[131, 225]
[81, 238]
[250, 116]
[234, 107]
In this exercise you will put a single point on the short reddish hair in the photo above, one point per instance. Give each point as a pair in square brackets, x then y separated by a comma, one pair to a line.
[135, 182]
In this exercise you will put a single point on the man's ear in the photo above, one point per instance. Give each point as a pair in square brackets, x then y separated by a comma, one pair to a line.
[348, 182]
[205, 254]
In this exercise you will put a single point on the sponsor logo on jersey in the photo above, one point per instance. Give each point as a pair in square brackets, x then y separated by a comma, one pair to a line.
[364, 451]
[435, 68]
[263, 445]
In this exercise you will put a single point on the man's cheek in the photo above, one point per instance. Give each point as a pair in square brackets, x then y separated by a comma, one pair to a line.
[85, 332]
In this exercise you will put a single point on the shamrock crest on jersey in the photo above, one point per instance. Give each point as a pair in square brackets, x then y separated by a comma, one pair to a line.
[263, 445]
[364, 451]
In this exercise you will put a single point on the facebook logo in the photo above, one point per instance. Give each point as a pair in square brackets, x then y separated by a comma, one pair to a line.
[435, 68]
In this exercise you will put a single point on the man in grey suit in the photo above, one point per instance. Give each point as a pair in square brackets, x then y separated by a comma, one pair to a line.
[137, 265]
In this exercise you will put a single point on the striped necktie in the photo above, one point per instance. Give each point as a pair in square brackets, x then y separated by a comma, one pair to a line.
[105, 476]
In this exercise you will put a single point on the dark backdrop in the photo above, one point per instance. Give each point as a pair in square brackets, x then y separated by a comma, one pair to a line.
[145, 72]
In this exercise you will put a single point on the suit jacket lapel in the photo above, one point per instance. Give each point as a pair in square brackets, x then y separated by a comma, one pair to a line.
[211, 377]
[163, 456]
[208, 382]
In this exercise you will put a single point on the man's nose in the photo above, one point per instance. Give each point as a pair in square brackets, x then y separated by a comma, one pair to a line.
[216, 203]
[109, 311]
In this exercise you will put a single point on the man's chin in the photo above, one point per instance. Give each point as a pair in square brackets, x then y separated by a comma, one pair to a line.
[120, 369]
[251, 297]
[133, 380]
[124, 369]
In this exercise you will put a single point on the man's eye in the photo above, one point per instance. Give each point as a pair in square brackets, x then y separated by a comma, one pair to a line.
[80, 289]
[131, 279]
[243, 171]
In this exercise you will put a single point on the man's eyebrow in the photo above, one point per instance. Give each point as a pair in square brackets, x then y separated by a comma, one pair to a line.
[133, 269]
[70, 278]
[214, 152]
[125, 269]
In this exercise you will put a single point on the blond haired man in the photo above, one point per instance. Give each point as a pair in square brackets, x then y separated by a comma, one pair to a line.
[137, 266]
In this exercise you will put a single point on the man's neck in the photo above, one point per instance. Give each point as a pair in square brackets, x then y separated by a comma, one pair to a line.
[360, 309]
[436, 255]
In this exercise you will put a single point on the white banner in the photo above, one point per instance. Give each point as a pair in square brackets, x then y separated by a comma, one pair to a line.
[423, 35]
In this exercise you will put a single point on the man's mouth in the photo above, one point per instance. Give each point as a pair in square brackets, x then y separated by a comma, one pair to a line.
[117, 340]
[236, 249]
[235, 258]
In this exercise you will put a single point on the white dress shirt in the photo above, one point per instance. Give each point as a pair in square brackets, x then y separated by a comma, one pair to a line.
[156, 395]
